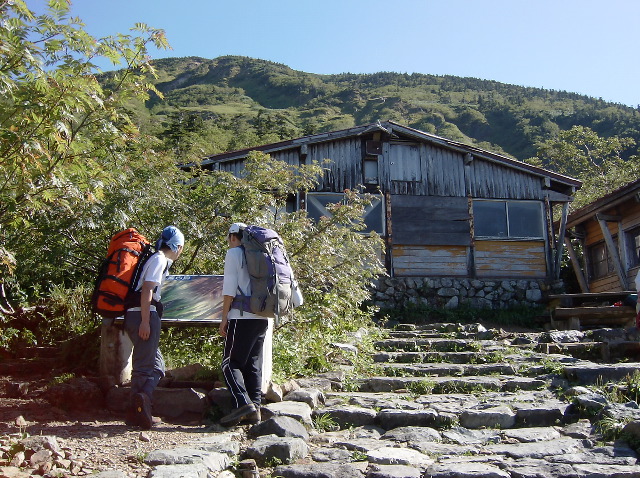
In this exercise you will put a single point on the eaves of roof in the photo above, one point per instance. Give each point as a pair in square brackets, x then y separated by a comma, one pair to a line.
[391, 127]
[612, 199]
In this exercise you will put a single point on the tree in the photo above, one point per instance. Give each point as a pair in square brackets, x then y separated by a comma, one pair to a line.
[64, 133]
[598, 162]
[61, 131]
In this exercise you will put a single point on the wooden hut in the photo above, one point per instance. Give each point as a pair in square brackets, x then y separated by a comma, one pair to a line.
[609, 232]
[445, 209]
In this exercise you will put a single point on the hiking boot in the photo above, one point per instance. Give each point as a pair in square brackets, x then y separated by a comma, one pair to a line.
[252, 418]
[237, 414]
[142, 410]
[131, 419]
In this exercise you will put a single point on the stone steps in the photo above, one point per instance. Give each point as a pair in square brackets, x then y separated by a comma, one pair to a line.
[449, 400]
[434, 344]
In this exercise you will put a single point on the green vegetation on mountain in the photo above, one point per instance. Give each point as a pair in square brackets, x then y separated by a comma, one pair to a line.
[273, 102]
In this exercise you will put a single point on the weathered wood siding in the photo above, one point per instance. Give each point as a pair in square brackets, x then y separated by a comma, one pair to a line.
[428, 220]
[608, 283]
[512, 259]
[345, 169]
[236, 167]
[424, 169]
[423, 261]
[412, 168]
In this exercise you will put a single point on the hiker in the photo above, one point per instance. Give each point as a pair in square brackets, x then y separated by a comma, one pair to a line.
[142, 324]
[244, 334]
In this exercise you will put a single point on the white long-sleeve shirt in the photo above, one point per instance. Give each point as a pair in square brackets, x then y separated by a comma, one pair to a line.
[236, 276]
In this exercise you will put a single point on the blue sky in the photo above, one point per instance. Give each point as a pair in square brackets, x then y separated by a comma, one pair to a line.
[584, 46]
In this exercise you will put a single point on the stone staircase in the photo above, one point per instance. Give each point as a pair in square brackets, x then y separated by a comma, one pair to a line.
[446, 401]
[443, 401]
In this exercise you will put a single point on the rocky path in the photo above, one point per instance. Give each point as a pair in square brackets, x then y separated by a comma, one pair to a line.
[447, 401]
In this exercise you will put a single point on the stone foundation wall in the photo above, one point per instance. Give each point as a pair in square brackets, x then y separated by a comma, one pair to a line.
[451, 293]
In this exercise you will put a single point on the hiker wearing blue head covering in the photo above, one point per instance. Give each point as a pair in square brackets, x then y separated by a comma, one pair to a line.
[142, 324]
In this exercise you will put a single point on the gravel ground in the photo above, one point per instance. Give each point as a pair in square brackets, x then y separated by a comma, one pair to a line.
[97, 438]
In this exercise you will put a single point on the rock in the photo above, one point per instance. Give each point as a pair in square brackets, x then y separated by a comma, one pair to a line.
[76, 394]
[298, 410]
[631, 432]
[466, 470]
[214, 461]
[180, 402]
[42, 442]
[528, 435]
[311, 396]
[271, 449]
[196, 470]
[282, 426]
[348, 415]
[274, 393]
[580, 429]
[40, 457]
[391, 419]
[17, 389]
[326, 454]
[289, 386]
[17, 459]
[411, 434]
[399, 456]
[117, 399]
[221, 397]
[464, 436]
[502, 417]
[318, 470]
[20, 421]
[13, 472]
[393, 471]
[110, 474]
[188, 372]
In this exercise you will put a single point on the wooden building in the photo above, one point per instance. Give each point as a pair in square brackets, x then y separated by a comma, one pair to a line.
[445, 209]
[609, 232]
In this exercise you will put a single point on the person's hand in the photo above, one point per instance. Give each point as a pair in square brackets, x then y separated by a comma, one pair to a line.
[144, 331]
[223, 327]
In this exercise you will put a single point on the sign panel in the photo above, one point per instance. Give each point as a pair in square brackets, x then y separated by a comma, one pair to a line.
[192, 299]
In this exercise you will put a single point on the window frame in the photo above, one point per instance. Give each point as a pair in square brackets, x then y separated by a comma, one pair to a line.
[509, 236]
[633, 246]
[595, 274]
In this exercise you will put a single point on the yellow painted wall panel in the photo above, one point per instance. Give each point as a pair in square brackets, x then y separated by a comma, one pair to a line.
[510, 259]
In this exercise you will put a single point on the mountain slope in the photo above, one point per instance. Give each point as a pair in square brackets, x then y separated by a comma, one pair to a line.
[489, 114]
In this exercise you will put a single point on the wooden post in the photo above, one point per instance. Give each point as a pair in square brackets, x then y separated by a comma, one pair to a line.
[115, 355]
[584, 286]
[615, 257]
[561, 239]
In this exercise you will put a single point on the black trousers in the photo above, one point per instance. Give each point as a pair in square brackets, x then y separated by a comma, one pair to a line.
[241, 360]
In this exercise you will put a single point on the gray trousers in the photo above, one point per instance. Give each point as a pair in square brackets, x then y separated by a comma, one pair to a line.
[147, 361]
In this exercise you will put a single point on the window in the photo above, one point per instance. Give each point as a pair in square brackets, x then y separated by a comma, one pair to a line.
[373, 216]
[600, 261]
[371, 170]
[508, 219]
[633, 245]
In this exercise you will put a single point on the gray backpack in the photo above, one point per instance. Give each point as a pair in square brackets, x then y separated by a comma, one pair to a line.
[270, 274]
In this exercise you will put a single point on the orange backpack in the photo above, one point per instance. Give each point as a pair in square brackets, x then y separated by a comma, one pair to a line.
[119, 273]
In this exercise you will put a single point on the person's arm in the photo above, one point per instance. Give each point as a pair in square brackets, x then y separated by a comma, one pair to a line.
[146, 295]
[226, 306]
